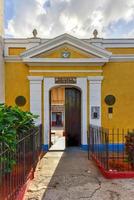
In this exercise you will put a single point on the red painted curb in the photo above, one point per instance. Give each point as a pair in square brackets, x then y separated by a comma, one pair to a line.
[24, 188]
[112, 174]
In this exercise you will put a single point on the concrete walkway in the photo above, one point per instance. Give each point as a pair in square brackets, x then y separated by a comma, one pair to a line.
[70, 176]
[59, 145]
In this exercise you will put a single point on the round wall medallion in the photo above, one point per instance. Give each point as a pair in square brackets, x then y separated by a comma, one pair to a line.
[110, 100]
[65, 54]
[20, 101]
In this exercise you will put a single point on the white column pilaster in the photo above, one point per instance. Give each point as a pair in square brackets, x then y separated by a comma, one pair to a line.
[48, 84]
[95, 98]
[36, 96]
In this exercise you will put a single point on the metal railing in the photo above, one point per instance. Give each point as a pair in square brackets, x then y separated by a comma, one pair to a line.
[108, 148]
[24, 160]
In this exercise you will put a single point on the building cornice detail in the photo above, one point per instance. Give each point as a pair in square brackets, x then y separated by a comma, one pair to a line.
[122, 58]
[98, 42]
[13, 59]
[66, 71]
[65, 61]
[66, 39]
[55, 61]
[95, 78]
[35, 78]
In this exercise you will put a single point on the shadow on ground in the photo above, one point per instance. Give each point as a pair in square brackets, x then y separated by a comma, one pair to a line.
[69, 175]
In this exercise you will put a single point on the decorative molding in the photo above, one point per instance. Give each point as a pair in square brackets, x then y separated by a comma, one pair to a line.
[98, 42]
[66, 39]
[12, 59]
[65, 61]
[71, 61]
[122, 58]
[123, 45]
[95, 78]
[35, 78]
[62, 71]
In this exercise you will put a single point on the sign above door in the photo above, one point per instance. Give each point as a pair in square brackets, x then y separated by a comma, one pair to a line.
[65, 80]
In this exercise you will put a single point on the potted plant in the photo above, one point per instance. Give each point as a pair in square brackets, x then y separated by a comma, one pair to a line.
[129, 146]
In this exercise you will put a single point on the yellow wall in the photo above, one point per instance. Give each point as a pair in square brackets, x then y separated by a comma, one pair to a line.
[119, 81]
[15, 51]
[121, 50]
[16, 83]
[57, 53]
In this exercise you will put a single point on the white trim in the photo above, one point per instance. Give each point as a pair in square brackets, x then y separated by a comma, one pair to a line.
[12, 59]
[82, 84]
[61, 71]
[35, 78]
[66, 39]
[65, 61]
[100, 42]
[95, 78]
[7, 46]
[123, 45]
[19, 43]
[122, 58]
[36, 97]
[95, 97]
[54, 61]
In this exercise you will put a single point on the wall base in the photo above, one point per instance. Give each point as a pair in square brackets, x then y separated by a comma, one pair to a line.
[113, 174]
[84, 147]
[45, 147]
[111, 147]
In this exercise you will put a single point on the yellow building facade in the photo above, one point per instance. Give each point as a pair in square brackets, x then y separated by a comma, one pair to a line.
[2, 75]
[101, 69]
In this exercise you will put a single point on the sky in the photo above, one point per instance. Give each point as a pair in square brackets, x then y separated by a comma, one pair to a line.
[112, 18]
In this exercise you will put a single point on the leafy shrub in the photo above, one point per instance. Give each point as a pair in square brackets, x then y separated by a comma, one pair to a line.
[130, 148]
[14, 124]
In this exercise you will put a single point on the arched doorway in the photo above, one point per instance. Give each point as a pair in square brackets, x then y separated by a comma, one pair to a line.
[65, 117]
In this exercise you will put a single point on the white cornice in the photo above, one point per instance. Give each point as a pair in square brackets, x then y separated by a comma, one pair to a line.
[12, 59]
[100, 42]
[68, 61]
[65, 61]
[35, 78]
[66, 71]
[95, 78]
[122, 58]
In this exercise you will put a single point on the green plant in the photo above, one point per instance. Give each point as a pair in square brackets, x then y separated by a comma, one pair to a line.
[129, 145]
[14, 124]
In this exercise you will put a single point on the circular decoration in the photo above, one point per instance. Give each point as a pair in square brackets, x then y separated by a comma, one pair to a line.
[65, 54]
[20, 101]
[110, 100]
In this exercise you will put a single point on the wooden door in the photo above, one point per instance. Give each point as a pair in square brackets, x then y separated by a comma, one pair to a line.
[73, 116]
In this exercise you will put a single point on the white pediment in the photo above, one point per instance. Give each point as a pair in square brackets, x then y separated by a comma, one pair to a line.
[66, 39]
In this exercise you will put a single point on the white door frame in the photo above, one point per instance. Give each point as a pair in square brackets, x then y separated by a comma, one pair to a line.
[49, 83]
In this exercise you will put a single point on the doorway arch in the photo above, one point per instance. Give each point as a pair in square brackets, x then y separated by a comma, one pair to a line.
[65, 116]
[81, 85]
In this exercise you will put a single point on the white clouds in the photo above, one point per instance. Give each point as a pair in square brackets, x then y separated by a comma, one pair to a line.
[77, 17]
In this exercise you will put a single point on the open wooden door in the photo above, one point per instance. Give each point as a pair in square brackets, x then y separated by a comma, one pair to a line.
[73, 117]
